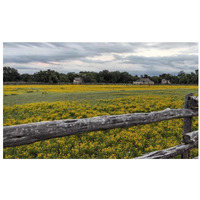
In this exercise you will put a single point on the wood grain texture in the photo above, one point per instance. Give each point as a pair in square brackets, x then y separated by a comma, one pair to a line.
[29, 133]
[190, 137]
[169, 153]
[193, 102]
[187, 122]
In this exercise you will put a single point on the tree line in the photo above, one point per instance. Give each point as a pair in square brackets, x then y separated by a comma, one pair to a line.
[105, 76]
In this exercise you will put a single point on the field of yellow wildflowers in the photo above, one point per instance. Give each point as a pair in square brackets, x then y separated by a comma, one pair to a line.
[34, 103]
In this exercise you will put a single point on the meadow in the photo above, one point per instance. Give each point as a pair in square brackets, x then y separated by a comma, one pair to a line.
[34, 103]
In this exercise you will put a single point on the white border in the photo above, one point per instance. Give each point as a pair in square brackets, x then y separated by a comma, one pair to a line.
[99, 21]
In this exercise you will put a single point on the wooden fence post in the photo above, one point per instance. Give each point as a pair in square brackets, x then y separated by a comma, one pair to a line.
[187, 124]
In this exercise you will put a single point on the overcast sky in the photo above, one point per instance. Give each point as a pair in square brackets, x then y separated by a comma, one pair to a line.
[135, 58]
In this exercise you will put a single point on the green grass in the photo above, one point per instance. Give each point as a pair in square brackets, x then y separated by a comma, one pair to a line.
[88, 96]
[120, 142]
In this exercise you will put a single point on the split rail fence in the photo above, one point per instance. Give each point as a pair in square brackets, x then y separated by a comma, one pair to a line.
[30, 133]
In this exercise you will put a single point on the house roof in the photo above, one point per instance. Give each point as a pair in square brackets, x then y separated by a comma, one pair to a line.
[78, 79]
[144, 80]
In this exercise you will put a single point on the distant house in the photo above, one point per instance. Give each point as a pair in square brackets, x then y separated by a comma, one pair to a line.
[78, 80]
[143, 81]
[164, 81]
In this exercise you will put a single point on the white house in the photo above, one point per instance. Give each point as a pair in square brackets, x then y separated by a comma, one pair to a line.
[143, 81]
[78, 81]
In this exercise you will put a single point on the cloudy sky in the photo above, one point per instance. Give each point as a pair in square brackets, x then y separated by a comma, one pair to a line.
[135, 58]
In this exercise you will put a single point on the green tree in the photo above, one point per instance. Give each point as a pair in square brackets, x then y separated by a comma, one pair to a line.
[88, 77]
[156, 79]
[105, 75]
[10, 74]
[26, 77]
[71, 76]
[125, 77]
[49, 76]
[64, 78]
[115, 77]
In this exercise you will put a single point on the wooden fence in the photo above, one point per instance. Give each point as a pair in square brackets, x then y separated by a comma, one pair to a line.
[29, 133]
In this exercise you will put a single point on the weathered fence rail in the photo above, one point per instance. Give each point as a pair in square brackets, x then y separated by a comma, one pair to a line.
[29, 133]
[191, 141]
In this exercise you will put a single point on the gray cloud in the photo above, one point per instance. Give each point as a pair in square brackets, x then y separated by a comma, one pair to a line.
[49, 52]
[172, 45]
[167, 64]
[167, 60]
[58, 55]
